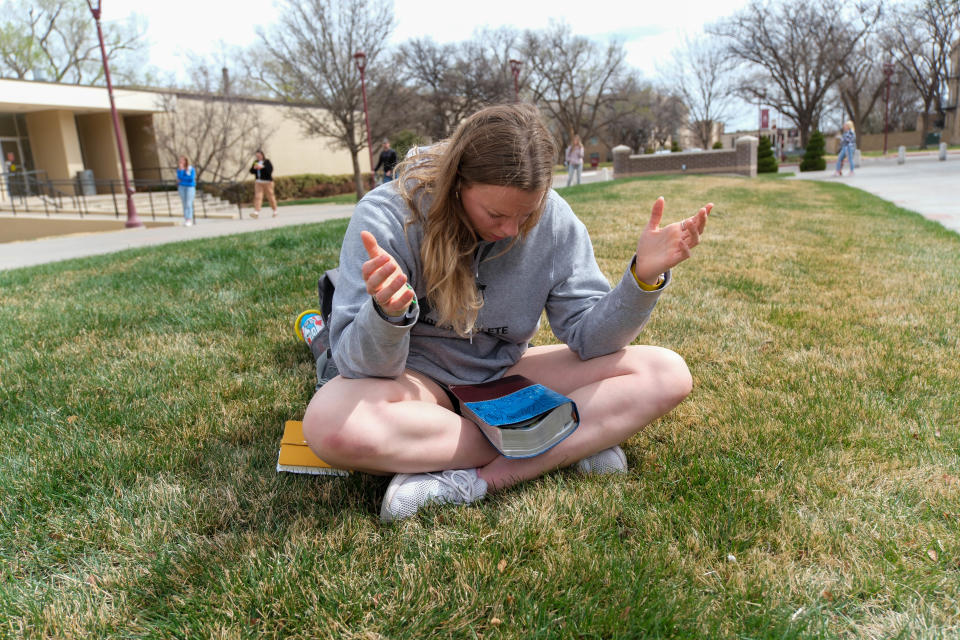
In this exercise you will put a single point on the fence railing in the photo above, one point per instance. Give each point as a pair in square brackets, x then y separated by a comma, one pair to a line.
[34, 192]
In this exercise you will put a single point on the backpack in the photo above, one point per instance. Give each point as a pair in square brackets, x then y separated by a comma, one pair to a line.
[320, 346]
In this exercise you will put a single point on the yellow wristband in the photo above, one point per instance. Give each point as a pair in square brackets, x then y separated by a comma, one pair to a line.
[644, 285]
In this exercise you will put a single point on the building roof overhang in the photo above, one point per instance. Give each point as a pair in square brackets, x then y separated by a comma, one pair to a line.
[27, 96]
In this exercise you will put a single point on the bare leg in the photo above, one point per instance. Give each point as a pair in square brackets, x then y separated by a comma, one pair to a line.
[617, 396]
[380, 425]
[407, 425]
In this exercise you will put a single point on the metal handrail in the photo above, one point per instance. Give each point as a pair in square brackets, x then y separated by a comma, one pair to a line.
[33, 189]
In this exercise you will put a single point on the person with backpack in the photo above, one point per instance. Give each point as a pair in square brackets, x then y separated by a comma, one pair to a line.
[443, 277]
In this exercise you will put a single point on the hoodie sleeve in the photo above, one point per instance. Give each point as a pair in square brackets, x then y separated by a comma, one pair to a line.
[583, 311]
[366, 343]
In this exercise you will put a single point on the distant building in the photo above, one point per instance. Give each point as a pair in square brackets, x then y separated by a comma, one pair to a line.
[951, 127]
[64, 129]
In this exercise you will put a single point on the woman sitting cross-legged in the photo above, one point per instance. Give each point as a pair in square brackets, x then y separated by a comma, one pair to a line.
[485, 245]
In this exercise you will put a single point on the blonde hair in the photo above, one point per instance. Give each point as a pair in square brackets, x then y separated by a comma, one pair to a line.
[848, 124]
[504, 145]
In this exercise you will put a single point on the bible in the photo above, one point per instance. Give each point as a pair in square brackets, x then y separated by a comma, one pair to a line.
[519, 417]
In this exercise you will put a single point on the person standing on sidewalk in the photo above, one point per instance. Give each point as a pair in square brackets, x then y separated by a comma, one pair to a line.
[388, 160]
[574, 160]
[262, 170]
[848, 144]
[9, 166]
[187, 186]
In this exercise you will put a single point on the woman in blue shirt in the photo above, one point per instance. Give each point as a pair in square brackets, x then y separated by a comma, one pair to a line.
[187, 186]
[848, 144]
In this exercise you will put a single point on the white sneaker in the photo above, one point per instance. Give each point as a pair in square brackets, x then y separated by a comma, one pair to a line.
[188, 223]
[254, 214]
[408, 492]
[610, 460]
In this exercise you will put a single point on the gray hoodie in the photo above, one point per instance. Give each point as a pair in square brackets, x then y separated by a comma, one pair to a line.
[553, 268]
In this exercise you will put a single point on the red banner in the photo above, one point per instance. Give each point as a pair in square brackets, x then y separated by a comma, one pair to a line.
[764, 118]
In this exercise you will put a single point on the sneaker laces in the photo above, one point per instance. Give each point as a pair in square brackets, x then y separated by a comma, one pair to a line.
[460, 482]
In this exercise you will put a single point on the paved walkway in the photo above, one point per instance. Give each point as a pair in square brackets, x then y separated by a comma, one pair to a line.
[923, 183]
[32, 252]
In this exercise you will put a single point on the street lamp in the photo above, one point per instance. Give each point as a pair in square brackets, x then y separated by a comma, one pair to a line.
[361, 59]
[888, 72]
[132, 220]
[515, 70]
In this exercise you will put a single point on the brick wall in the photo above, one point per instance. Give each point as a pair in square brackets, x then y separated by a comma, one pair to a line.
[742, 159]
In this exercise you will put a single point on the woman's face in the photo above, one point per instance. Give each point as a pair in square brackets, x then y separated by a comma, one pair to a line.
[259, 156]
[497, 212]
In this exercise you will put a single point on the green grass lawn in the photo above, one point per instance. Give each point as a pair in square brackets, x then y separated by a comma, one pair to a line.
[808, 488]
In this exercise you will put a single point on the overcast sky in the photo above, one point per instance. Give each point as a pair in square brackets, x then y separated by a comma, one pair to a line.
[649, 30]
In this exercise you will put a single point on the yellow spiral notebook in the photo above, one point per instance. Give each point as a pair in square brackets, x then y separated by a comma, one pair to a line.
[296, 457]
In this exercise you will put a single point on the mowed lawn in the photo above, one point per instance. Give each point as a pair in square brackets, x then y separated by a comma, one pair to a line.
[808, 488]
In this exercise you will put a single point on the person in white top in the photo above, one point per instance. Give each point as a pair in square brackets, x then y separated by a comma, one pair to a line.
[574, 160]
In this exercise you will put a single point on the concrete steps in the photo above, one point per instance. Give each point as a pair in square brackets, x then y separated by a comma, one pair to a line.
[162, 204]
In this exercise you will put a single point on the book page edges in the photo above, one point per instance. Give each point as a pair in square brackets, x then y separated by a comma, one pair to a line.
[296, 457]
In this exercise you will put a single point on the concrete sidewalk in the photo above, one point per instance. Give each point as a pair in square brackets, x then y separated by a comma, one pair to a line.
[923, 183]
[32, 252]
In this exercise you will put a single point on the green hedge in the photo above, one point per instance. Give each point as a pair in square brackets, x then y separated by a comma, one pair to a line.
[306, 185]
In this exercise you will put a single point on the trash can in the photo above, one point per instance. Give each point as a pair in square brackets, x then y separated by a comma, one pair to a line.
[85, 183]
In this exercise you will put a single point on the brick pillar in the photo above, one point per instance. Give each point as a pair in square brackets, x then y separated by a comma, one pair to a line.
[747, 156]
[621, 160]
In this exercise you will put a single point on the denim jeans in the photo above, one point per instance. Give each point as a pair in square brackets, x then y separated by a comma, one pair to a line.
[186, 197]
[846, 151]
[574, 168]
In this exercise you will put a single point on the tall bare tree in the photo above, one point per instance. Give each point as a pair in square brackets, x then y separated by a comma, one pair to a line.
[571, 78]
[863, 82]
[212, 122]
[702, 75]
[453, 80]
[921, 36]
[796, 51]
[56, 40]
[308, 58]
[629, 116]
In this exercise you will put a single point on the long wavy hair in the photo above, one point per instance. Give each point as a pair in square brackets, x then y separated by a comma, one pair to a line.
[504, 145]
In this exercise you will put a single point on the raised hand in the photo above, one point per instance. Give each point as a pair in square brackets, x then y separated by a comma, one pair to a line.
[385, 279]
[661, 249]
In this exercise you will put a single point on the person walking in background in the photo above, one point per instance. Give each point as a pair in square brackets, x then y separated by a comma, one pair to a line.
[187, 186]
[388, 160]
[574, 160]
[9, 167]
[848, 144]
[262, 170]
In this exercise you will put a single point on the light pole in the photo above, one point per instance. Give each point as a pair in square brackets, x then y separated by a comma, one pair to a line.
[132, 219]
[888, 72]
[361, 59]
[515, 70]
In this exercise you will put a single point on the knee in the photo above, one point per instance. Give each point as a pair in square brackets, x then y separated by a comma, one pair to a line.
[677, 375]
[337, 436]
[669, 372]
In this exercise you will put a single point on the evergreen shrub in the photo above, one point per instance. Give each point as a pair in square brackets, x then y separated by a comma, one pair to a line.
[813, 156]
[766, 162]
